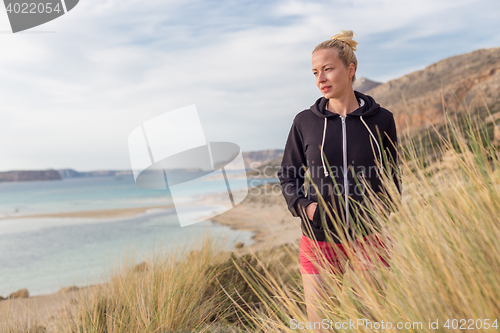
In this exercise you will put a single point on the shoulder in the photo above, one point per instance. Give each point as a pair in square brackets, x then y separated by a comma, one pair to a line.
[373, 110]
[312, 113]
[304, 117]
[383, 119]
[385, 114]
[387, 122]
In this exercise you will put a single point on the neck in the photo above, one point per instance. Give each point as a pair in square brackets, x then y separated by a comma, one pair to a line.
[343, 105]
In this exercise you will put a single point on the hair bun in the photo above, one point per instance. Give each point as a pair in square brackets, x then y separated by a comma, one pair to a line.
[345, 36]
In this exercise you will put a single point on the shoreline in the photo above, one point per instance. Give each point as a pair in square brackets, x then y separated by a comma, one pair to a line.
[95, 214]
[263, 212]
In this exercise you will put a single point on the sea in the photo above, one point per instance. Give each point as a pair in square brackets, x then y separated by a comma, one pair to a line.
[44, 254]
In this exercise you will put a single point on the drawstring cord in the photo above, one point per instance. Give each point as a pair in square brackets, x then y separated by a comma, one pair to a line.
[322, 144]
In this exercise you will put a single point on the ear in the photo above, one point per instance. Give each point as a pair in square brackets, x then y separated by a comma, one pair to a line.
[352, 70]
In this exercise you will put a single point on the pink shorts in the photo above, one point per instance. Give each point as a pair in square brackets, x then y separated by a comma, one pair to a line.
[336, 255]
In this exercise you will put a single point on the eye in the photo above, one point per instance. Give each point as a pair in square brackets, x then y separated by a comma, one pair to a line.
[326, 69]
[315, 73]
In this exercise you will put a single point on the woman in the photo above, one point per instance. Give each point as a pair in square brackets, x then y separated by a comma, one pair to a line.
[345, 140]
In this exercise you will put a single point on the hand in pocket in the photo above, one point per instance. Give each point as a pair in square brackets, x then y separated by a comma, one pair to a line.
[310, 209]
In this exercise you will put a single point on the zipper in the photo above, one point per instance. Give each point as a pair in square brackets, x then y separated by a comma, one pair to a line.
[344, 154]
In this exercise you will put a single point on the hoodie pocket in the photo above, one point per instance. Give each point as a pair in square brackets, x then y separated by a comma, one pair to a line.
[316, 221]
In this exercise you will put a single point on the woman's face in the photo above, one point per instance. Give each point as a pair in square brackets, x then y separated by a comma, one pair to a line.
[332, 77]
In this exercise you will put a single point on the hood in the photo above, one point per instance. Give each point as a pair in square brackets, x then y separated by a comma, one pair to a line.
[368, 108]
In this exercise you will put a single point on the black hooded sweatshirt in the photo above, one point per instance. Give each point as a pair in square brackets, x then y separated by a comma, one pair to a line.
[352, 146]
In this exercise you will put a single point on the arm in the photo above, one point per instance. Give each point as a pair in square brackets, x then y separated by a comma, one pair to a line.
[391, 158]
[292, 171]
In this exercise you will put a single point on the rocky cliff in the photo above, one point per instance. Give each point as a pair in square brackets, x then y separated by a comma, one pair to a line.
[420, 98]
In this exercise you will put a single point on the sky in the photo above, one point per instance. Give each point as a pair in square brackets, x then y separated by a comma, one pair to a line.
[73, 89]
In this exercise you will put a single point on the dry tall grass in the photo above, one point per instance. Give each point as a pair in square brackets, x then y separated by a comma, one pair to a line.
[175, 292]
[445, 266]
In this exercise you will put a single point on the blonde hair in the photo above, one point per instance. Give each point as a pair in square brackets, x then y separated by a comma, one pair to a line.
[345, 45]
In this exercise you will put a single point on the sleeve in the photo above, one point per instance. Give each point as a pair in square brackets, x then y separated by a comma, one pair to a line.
[390, 143]
[292, 171]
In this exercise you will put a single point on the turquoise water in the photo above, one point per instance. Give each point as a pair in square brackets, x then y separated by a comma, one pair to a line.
[45, 254]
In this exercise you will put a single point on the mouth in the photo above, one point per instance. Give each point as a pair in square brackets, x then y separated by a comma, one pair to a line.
[325, 88]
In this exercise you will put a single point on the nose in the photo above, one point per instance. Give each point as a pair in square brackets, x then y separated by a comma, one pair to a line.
[321, 77]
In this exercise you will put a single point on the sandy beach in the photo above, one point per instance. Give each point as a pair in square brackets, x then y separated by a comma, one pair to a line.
[96, 214]
[42, 310]
[263, 212]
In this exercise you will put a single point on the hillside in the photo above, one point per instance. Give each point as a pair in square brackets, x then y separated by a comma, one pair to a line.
[363, 84]
[70, 173]
[262, 161]
[22, 175]
[458, 79]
